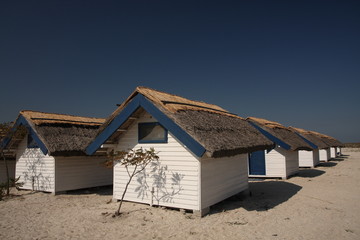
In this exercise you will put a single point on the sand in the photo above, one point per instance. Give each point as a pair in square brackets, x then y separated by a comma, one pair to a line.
[320, 203]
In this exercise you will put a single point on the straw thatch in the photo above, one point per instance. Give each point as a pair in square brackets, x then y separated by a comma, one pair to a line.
[63, 134]
[330, 141]
[283, 133]
[220, 132]
[311, 136]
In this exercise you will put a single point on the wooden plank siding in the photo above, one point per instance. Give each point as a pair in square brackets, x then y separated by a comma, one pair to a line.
[308, 158]
[11, 168]
[333, 152]
[175, 160]
[81, 172]
[36, 170]
[222, 178]
[281, 163]
[324, 154]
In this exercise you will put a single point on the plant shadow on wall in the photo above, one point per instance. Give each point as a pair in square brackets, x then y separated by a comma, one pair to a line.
[35, 168]
[135, 162]
[159, 186]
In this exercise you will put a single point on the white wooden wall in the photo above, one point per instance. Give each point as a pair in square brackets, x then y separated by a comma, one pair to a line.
[174, 160]
[36, 170]
[11, 168]
[333, 152]
[222, 178]
[308, 158]
[81, 172]
[275, 165]
[281, 163]
[324, 154]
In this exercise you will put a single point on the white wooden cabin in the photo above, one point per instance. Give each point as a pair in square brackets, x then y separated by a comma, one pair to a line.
[309, 158]
[204, 181]
[54, 162]
[324, 154]
[196, 169]
[281, 162]
[278, 163]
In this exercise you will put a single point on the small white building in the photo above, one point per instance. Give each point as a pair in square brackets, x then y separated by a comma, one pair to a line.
[330, 151]
[50, 157]
[310, 158]
[203, 150]
[283, 160]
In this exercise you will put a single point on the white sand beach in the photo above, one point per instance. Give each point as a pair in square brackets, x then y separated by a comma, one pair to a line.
[320, 203]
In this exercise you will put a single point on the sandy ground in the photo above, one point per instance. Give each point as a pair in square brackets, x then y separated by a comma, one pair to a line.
[320, 203]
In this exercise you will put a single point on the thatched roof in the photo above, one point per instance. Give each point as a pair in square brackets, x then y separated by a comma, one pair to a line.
[311, 136]
[330, 141]
[281, 132]
[62, 134]
[220, 132]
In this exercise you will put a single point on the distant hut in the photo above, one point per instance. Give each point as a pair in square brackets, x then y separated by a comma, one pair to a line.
[333, 144]
[310, 158]
[203, 150]
[283, 160]
[51, 158]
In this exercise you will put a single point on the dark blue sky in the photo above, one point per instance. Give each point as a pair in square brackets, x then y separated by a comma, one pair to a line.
[294, 62]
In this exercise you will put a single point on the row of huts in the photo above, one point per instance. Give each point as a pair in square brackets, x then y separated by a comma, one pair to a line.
[206, 153]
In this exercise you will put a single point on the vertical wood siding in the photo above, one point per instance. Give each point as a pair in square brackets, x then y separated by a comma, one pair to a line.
[36, 170]
[81, 172]
[175, 178]
[11, 168]
[324, 154]
[222, 178]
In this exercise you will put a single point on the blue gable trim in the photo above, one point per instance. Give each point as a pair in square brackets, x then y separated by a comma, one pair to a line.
[307, 141]
[21, 121]
[137, 102]
[271, 137]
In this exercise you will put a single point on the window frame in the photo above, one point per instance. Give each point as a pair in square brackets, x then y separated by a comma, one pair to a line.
[163, 140]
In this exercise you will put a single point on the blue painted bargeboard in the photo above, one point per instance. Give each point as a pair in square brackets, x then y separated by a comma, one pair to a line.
[137, 102]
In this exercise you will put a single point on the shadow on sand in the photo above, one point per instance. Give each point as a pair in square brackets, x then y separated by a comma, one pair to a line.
[310, 173]
[264, 196]
[102, 191]
[327, 164]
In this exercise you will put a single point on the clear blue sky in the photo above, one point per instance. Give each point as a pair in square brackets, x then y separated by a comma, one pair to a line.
[294, 62]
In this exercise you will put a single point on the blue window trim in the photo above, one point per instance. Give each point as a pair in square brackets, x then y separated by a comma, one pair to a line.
[271, 137]
[21, 121]
[165, 137]
[140, 101]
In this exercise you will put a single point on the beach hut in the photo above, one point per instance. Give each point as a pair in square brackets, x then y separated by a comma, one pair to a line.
[283, 160]
[203, 150]
[50, 156]
[330, 152]
[310, 158]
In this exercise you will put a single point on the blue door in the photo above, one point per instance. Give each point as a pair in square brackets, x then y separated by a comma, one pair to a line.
[257, 163]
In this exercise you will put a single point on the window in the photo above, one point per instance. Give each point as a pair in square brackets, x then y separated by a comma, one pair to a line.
[152, 133]
[31, 142]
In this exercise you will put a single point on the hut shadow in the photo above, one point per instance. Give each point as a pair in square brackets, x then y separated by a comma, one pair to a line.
[102, 191]
[327, 164]
[310, 173]
[263, 196]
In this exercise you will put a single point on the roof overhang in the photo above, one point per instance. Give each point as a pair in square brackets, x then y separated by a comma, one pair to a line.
[132, 105]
